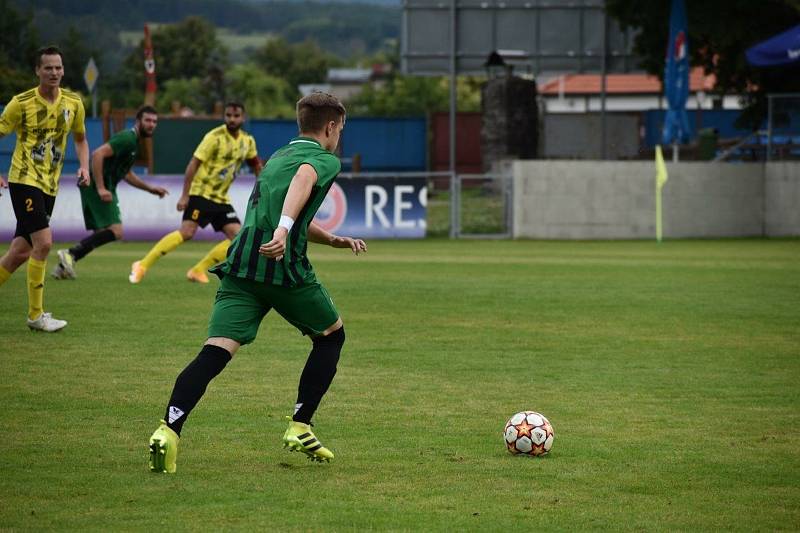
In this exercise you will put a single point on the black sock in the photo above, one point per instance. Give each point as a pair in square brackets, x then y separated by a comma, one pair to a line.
[96, 239]
[192, 382]
[318, 374]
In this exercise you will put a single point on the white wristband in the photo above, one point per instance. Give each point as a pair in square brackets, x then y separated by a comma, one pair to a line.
[286, 222]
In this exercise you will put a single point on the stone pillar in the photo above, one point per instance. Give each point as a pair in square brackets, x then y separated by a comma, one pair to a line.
[510, 125]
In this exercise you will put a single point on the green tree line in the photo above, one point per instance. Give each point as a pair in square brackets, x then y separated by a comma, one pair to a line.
[193, 67]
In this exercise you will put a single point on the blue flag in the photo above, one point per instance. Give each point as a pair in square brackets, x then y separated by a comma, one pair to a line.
[676, 77]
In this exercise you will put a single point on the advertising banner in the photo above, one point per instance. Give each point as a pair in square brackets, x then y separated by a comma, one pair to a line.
[384, 208]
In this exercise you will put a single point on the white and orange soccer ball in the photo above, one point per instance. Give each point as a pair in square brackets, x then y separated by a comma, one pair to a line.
[528, 433]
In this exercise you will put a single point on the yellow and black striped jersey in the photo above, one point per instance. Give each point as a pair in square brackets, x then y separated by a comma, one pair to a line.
[221, 155]
[42, 129]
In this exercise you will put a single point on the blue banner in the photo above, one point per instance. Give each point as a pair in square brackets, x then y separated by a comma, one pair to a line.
[375, 208]
[676, 77]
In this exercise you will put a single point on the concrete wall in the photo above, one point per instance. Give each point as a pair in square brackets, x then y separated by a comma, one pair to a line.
[782, 203]
[616, 200]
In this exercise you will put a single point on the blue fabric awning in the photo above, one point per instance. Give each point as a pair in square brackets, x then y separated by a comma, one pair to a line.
[783, 49]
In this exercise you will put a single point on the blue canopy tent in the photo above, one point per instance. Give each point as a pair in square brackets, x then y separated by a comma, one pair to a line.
[782, 49]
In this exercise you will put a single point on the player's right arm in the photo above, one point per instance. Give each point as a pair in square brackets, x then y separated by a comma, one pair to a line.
[98, 156]
[9, 120]
[191, 170]
[296, 197]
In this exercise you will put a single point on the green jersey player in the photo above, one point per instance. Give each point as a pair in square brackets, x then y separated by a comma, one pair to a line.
[111, 163]
[266, 268]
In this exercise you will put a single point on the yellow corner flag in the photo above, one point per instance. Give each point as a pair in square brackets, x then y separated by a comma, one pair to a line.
[661, 168]
[661, 179]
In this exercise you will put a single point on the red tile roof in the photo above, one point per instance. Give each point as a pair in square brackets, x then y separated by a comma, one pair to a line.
[622, 83]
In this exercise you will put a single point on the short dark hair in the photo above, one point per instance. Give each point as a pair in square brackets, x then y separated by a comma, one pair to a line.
[234, 104]
[315, 110]
[51, 50]
[145, 109]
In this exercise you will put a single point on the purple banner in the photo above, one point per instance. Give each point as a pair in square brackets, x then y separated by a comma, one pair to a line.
[357, 207]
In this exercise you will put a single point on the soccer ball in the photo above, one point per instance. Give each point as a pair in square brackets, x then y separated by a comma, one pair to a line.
[528, 433]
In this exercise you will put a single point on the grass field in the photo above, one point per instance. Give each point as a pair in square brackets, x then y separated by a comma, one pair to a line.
[670, 372]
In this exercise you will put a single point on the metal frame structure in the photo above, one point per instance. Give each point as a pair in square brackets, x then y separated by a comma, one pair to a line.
[770, 116]
[540, 52]
[507, 193]
[455, 188]
[499, 17]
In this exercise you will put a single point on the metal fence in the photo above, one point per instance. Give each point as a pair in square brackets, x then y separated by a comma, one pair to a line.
[482, 206]
[783, 126]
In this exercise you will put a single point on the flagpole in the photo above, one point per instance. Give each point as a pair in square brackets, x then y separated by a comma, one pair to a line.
[658, 215]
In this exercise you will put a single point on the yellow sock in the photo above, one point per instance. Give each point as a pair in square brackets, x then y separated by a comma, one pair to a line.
[4, 275]
[216, 255]
[35, 287]
[167, 243]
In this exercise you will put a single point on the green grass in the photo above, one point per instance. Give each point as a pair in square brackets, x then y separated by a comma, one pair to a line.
[670, 373]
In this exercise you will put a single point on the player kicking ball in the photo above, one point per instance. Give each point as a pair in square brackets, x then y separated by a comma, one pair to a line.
[111, 163]
[205, 197]
[267, 268]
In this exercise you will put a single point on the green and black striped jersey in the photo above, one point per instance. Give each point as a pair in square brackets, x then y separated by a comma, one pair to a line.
[264, 212]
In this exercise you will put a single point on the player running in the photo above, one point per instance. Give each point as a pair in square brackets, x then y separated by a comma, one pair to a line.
[111, 163]
[205, 197]
[268, 268]
[42, 118]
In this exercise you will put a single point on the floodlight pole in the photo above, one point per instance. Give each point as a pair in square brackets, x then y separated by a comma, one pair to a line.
[454, 200]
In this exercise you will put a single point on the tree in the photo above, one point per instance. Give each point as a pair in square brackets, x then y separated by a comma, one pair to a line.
[18, 45]
[186, 50]
[298, 63]
[187, 91]
[263, 95]
[719, 33]
[76, 54]
[415, 95]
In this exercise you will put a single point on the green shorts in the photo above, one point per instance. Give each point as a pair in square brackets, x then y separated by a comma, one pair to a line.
[98, 214]
[242, 304]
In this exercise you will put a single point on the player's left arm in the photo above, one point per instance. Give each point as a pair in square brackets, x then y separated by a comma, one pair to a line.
[137, 182]
[81, 146]
[82, 149]
[255, 165]
[252, 158]
[320, 236]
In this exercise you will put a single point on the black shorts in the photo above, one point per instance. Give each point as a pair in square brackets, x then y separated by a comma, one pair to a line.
[32, 207]
[202, 211]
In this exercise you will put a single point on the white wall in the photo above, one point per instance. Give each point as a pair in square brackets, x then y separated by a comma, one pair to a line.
[782, 199]
[616, 200]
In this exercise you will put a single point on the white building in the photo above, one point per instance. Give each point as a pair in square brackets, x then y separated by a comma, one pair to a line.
[581, 93]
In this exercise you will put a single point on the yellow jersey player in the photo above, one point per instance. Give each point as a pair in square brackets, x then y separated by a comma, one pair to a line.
[205, 198]
[42, 118]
